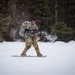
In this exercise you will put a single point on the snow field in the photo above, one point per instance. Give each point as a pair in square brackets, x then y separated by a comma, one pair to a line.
[60, 59]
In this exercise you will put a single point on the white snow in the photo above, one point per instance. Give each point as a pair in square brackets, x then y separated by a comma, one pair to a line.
[60, 59]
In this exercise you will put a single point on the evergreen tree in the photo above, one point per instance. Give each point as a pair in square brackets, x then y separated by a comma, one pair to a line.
[63, 32]
[70, 13]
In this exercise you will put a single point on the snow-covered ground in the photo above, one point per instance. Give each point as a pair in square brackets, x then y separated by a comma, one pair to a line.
[60, 59]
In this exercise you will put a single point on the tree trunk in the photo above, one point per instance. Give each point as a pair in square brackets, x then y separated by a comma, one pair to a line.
[56, 12]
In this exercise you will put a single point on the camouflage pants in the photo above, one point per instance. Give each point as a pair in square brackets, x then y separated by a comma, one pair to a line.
[29, 42]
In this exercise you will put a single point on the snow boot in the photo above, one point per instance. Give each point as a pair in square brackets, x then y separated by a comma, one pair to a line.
[23, 54]
[39, 55]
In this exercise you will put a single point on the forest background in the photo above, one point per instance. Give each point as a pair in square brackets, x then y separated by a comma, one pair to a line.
[56, 17]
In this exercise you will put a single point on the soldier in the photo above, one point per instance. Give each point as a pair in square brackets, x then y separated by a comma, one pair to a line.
[31, 37]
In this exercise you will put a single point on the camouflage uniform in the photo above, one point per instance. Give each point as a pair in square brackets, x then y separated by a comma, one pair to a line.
[31, 38]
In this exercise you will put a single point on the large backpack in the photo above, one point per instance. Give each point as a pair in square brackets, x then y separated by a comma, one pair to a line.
[23, 27]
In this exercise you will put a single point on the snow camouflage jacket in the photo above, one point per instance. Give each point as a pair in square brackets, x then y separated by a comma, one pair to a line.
[27, 29]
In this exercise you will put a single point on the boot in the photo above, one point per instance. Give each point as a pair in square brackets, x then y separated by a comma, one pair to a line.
[38, 53]
[24, 53]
